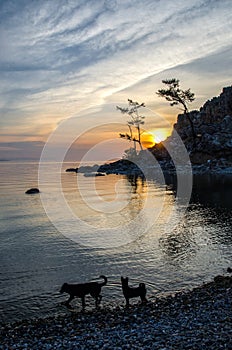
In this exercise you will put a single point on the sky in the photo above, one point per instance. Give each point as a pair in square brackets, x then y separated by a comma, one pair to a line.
[76, 60]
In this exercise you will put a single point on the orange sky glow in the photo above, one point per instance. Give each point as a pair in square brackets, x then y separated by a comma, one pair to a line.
[82, 62]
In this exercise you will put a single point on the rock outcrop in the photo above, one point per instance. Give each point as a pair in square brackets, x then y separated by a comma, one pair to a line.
[213, 128]
[210, 150]
[72, 170]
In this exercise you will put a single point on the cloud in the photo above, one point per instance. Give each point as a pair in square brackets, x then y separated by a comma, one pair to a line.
[60, 58]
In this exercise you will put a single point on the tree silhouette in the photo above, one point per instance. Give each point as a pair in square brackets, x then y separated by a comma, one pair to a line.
[177, 96]
[136, 120]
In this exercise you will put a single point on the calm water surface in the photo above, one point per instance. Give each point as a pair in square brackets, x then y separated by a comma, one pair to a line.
[36, 258]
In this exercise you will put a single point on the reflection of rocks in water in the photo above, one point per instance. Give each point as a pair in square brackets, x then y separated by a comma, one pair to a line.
[209, 191]
[212, 191]
[138, 189]
[137, 183]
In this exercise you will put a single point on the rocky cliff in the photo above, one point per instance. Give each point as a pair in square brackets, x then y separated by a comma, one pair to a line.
[210, 149]
[213, 129]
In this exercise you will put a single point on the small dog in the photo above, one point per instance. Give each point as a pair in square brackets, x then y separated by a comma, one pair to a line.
[130, 292]
[82, 289]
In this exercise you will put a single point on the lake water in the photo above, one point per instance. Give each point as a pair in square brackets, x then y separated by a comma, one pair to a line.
[37, 258]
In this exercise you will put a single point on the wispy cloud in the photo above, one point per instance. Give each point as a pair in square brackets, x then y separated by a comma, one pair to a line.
[60, 57]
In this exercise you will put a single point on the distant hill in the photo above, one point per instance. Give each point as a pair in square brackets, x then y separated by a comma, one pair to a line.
[23, 151]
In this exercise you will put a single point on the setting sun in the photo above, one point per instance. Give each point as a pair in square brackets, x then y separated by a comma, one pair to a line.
[158, 135]
[152, 137]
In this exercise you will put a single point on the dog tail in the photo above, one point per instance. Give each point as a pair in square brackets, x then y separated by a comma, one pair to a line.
[105, 280]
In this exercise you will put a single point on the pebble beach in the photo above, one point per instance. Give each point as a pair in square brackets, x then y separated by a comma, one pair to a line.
[192, 319]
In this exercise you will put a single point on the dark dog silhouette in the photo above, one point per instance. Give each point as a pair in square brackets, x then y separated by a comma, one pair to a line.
[82, 289]
[130, 292]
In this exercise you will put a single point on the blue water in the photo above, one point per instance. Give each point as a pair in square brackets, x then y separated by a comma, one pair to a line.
[36, 258]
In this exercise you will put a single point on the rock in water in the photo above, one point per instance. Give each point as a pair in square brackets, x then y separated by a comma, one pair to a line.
[72, 170]
[32, 191]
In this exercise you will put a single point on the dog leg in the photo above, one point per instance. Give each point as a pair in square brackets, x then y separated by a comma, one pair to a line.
[83, 302]
[127, 302]
[67, 303]
[98, 300]
[143, 298]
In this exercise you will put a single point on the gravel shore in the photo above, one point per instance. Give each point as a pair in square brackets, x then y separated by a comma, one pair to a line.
[196, 319]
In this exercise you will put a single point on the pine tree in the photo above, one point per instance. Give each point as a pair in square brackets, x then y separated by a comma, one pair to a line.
[177, 96]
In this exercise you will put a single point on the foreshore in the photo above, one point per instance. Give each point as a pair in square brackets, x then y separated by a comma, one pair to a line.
[128, 168]
[196, 319]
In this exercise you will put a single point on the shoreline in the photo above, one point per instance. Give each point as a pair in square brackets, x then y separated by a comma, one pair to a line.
[200, 318]
[128, 168]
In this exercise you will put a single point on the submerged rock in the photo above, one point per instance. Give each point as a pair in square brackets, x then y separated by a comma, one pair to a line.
[32, 191]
